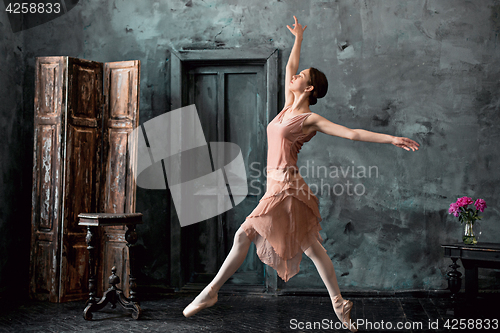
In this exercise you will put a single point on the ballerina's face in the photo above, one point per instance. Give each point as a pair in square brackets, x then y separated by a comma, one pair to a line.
[300, 81]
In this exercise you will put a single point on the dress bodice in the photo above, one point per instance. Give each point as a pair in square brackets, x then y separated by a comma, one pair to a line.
[284, 140]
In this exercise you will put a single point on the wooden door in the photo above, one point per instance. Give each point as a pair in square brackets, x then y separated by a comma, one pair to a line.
[230, 99]
[121, 116]
[81, 172]
[50, 115]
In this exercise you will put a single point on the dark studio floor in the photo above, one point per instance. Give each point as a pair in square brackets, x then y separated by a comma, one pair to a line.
[255, 313]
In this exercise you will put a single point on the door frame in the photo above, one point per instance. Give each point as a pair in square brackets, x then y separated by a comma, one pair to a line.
[179, 59]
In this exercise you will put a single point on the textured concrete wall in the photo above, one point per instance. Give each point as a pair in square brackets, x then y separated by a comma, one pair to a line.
[16, 155]
[428, 70]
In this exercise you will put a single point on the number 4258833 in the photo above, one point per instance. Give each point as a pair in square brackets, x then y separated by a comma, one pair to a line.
[461, 324]
[33, 8]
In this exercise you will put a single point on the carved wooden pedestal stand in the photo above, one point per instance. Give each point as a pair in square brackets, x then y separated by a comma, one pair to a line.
[113, 295]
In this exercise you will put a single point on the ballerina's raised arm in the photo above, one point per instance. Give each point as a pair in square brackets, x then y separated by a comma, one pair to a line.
[302, 90]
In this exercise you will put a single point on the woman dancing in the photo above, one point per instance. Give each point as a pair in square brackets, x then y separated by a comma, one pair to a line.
[285, 223]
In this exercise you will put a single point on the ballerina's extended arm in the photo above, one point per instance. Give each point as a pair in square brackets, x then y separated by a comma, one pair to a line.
[315, 122]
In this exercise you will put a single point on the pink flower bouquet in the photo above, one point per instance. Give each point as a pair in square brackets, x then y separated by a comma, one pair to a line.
[461, 209]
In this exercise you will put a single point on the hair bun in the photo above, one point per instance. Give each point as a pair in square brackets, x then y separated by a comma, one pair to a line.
[320, 84]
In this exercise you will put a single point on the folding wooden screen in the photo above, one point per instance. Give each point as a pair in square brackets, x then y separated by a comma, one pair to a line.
[85, 112]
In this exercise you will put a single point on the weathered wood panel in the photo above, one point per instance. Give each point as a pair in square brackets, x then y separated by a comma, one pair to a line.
[115, 189]
[50, 106]
[115, 251]
[44, 277]
[121, 116]
[46, 140]
[82, 174]
[121, 91]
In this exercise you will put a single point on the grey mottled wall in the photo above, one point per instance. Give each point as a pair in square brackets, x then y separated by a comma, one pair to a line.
[16, 155]
[428, 70]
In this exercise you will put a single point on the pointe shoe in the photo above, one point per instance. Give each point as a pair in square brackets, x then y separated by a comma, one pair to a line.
[345, 315]
[194, 309]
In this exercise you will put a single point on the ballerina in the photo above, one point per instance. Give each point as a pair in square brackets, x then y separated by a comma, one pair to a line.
[285, 223]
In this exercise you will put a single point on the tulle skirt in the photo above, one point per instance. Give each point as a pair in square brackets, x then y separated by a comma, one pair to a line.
[285, 223]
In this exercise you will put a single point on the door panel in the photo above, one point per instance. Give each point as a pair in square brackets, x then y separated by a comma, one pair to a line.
[50, 113]
[230, 101]
[121, 116]
[200, 239]
[81, 172]
[244, 114]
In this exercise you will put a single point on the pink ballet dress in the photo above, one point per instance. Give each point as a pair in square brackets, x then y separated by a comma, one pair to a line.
[285, 223]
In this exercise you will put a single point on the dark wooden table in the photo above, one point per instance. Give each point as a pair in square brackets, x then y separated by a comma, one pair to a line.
[485, 255]
[113, 294]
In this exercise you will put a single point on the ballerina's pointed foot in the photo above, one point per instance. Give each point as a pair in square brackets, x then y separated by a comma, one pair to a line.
[342, 309]
[206, 299]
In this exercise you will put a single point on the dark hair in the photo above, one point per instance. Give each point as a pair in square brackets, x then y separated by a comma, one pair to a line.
[319, 82]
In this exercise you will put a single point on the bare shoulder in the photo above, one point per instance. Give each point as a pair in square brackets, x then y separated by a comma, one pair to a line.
[313, 119]
[310, 123]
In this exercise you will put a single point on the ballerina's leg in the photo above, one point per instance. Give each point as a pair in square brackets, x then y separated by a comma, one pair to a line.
[233, 261]
[317, 253]
[325, 268]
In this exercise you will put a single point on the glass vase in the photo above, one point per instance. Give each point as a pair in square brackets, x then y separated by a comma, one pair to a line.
[469, 236]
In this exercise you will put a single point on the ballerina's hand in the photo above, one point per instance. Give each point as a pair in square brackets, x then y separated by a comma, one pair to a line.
[297, 28]
[405, 143]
